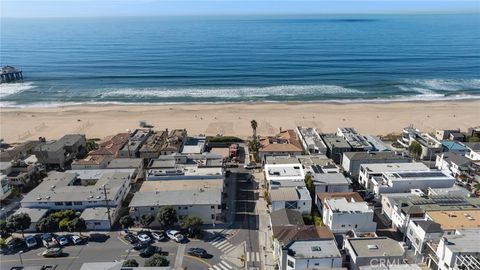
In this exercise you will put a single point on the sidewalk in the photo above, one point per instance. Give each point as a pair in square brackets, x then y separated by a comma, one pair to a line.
[264, 233]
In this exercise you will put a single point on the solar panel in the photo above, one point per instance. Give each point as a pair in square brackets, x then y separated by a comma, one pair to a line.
[420, 174]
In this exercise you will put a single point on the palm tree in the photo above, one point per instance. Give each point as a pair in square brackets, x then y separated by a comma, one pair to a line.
[254, 126]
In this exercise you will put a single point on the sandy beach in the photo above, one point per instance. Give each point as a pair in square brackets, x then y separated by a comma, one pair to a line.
[98, 121]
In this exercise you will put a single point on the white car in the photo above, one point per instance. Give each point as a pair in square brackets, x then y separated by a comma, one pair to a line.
[144, 238]
[76, 239]
[62, 240]
[159, 236]
[175, 235]
[250, 166]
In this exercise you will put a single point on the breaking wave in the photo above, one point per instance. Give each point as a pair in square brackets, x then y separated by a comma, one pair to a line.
[7, 89]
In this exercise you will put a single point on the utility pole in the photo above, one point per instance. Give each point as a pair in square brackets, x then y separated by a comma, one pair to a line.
[106, 203]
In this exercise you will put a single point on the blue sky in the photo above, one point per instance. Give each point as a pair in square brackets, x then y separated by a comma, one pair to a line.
[99, 8]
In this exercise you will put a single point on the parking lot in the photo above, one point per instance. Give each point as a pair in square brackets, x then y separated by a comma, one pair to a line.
[112, 246]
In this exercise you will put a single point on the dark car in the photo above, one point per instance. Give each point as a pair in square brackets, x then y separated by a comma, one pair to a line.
[149, 251]
[16, 243]
[132, 239]
[140, 245]
[197, 252]
[149, 233]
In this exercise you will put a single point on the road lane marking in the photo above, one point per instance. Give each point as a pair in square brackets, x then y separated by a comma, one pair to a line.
[39, 259]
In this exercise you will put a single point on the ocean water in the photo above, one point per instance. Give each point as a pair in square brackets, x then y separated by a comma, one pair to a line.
[331, 58]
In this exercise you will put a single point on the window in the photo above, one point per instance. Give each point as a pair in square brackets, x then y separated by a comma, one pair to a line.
[68, 203]
[77, 203]
[96, 223]
[213, 216]
[186, 207]
[219, 207]
[151, 208]
[343, 225]
[356, 225]
[58, 203]
[212, 207]
[291, 264]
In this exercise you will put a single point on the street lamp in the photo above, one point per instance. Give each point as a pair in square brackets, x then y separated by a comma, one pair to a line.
[20, 256]
[106, 204]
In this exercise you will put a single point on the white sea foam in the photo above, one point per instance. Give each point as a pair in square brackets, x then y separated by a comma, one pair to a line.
[448, 85]
[7, 89]
[231, 92]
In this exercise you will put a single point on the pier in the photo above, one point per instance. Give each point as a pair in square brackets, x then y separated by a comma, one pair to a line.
[10, 74]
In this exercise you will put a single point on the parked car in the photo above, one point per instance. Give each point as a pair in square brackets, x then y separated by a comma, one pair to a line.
[250, 166]
[76, 240]
[175, 236]
[15, 243]
[48, 240]
[197, 252]
[62, 240]
[159, 236]
[140, 245]
[132, 239]
[144, 238]
[149, 251]
[52, 252]
[31, 241]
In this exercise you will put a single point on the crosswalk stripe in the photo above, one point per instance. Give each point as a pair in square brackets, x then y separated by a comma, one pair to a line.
[226, 264]
[229, 249]
[248, 256]
[258, 256]
[216, 239]
[222, 245]
[216, 244]
[222, 266]
[217, 268]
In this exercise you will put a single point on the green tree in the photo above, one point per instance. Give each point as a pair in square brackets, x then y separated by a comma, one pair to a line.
[309, 184]
[415, 150]
[19, 222]
[91, 144]
[156, 260]
[146, 219]
[63, 224]
[77, 225]
[63, 214]
[130, 263]
[127, 221]
[254, 126]
[193, 224]
[48, 224]
[5, 229]
[167, 216]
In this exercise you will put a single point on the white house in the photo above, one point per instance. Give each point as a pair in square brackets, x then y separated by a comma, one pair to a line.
[351, 161]
[452, 163]
[278, 174]
[331, 182]
[459, 250]
[342, 215]
[295, 198]
[403, 182]
[420, 232]
[98, 218]
[368, 171]
[473, 151]
[311, 141]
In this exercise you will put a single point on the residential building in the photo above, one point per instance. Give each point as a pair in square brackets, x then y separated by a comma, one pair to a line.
[66, 190]
[355, 139]
[322, 164]
[284, 143]
[454, 147]
[98, 218]
[174, 143]
[99, 158]
[92, 162]
[377, 144]
[444, 134]
[474, 132]
[430, 146]
[322, 196]
[19, 151]
[401, 208]
[153, 145]
[420, 232]
[336, 146]
[136, 164]
[451, 191]
[286, 217]
[295, 198]
[377, 251]
[342, 215]
[61, 152]
[136, 140]
[453, 164]
[370, 171]
[182, 167]
[194, 145]
[5, 187]
[473, 151]
[403, 182]
[281, 159]
[457, 251]
[405, 266]
[279, 175]
[351, 161]
[204, 202]
[311, 141]
[19, 172]
[330, 182]
[455, 219]
[305, 247]
[35, 214]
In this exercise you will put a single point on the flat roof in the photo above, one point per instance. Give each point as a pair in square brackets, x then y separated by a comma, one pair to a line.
[389, 155]
[376, 247]
[334, 140]
[97, 213]
[35, 214]
[284, 171]
[121, 163]
[465, 219]
[455, 159]
[311, 138]
[331, 178]
[203, 196]
[390, 167]
[181, 185]
[284, 217]
[341, 204]
[326, 248]
[284, 194]
[347, 195]
[463, 241]
[281, 160]
[409, 176]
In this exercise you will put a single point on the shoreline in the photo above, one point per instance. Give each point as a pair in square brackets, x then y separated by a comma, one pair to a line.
[101, 120]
